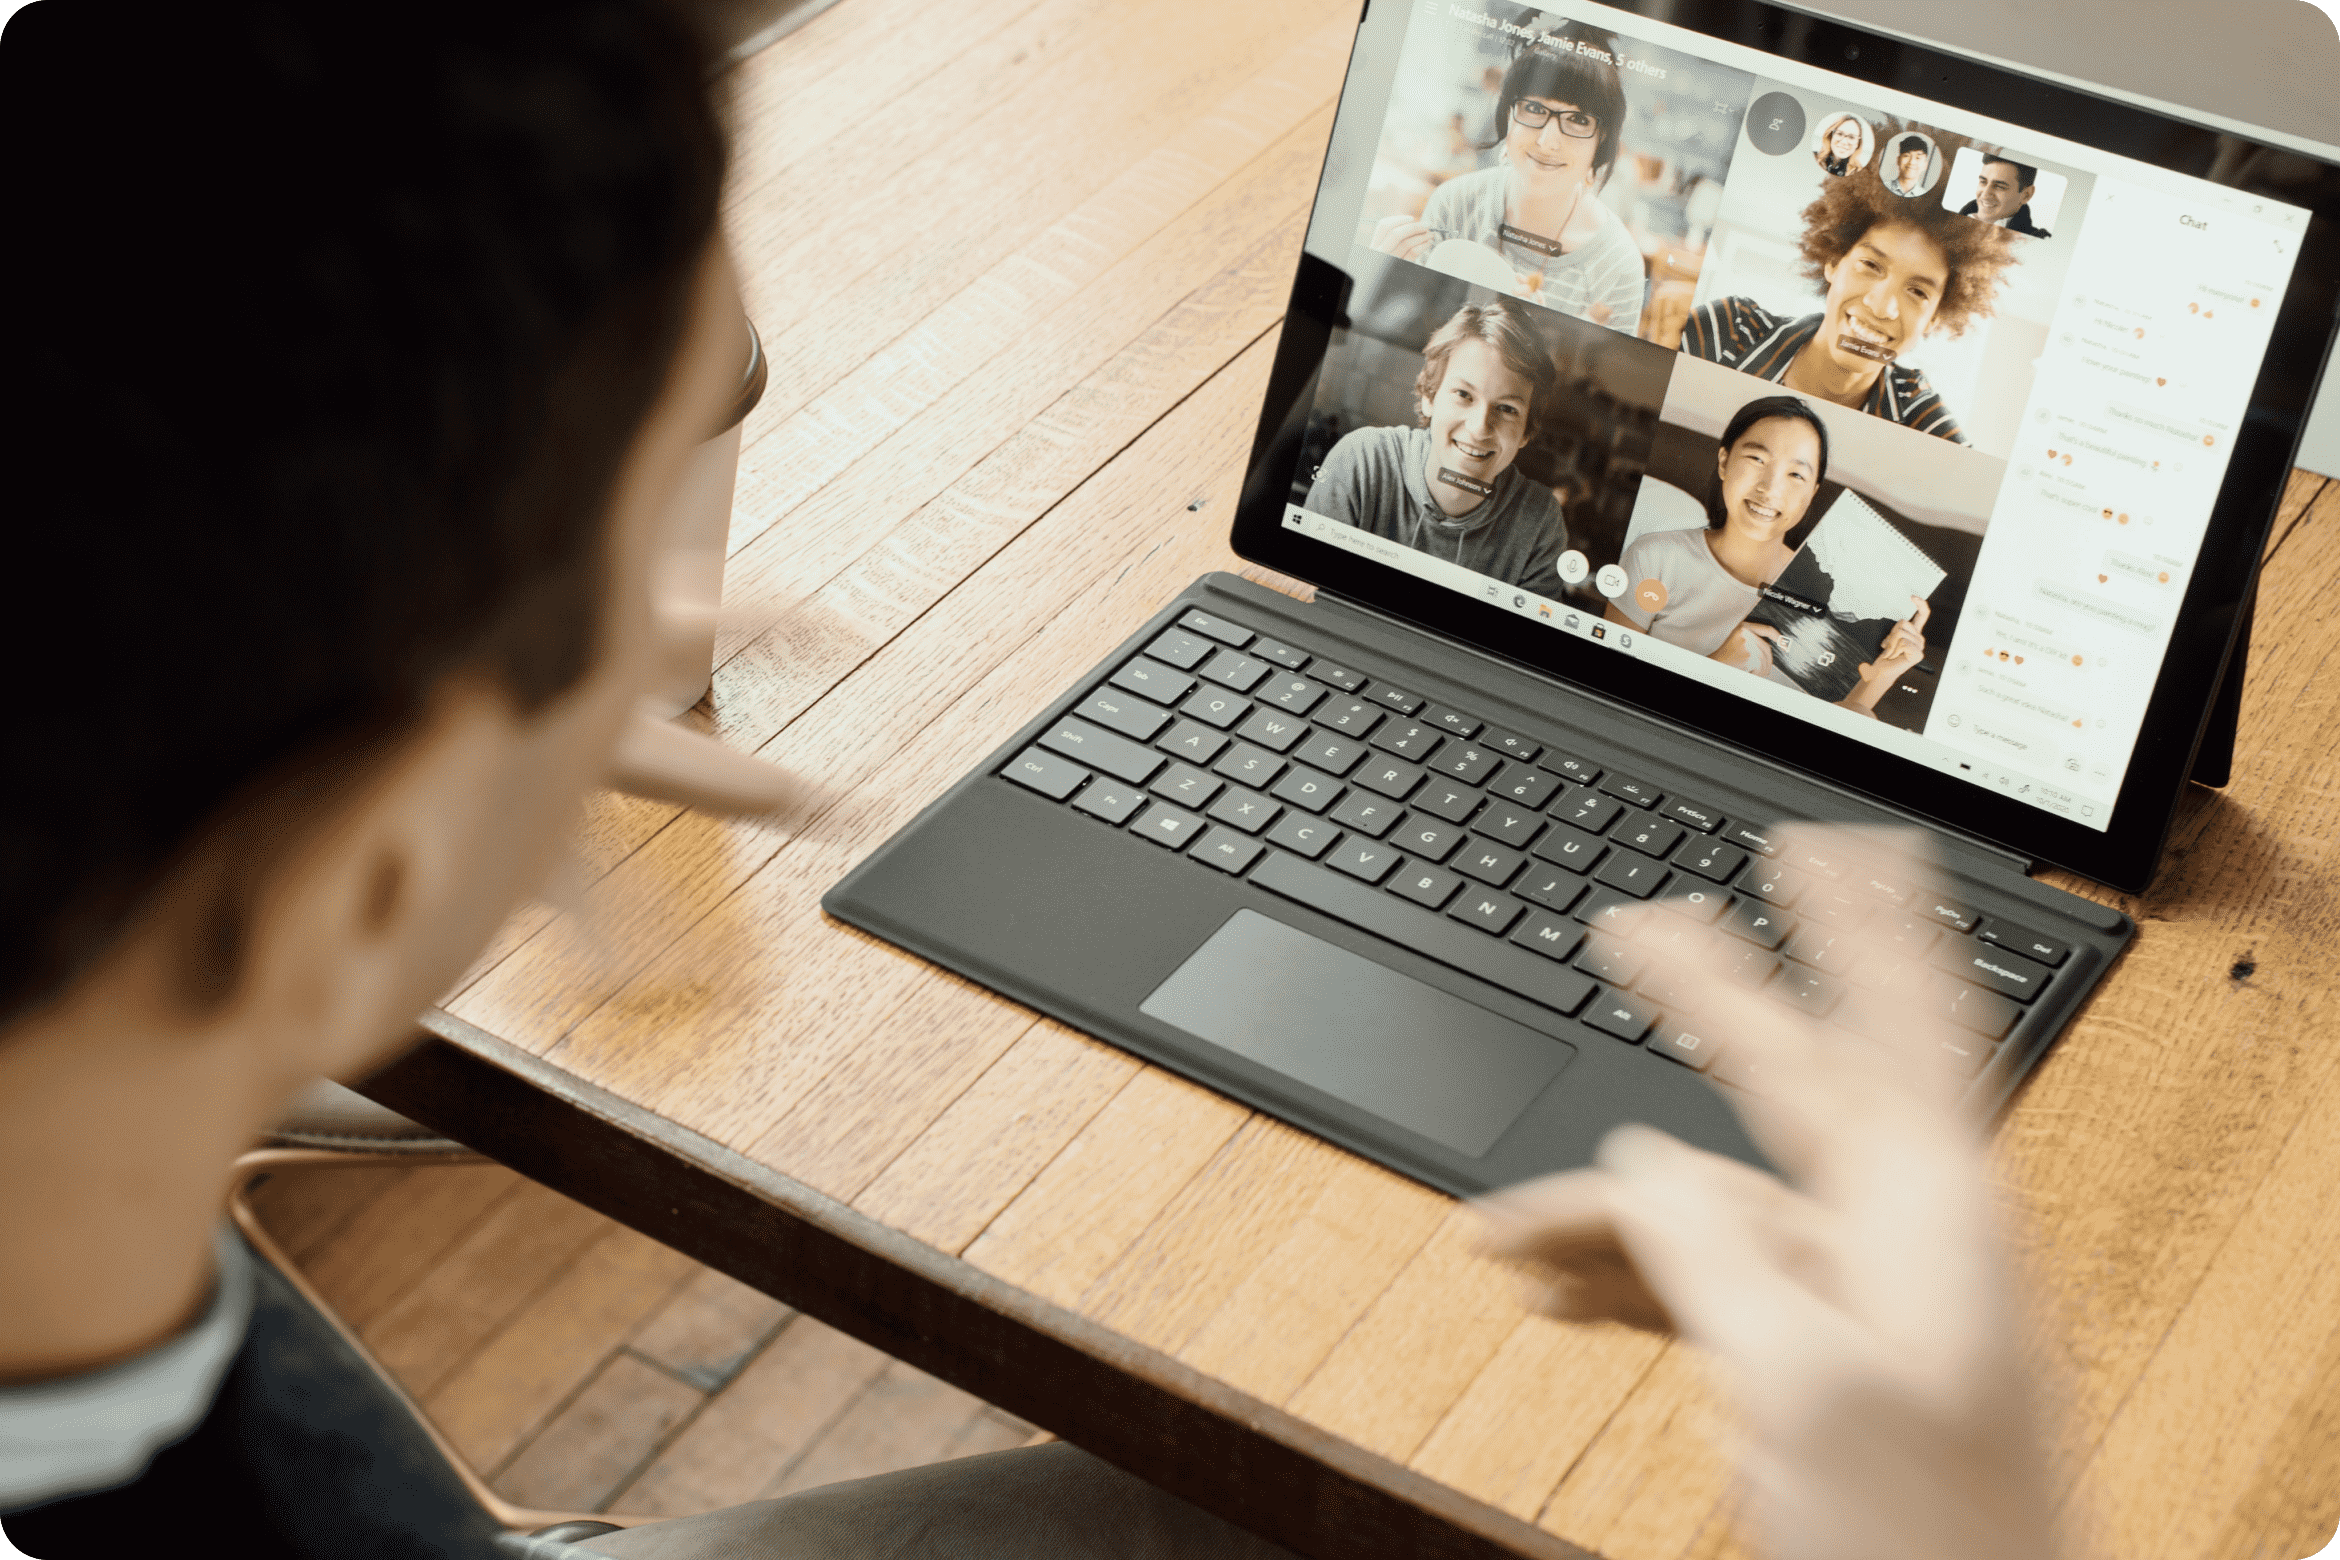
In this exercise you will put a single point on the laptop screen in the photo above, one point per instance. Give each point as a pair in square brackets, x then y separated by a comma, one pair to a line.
[1882, 416]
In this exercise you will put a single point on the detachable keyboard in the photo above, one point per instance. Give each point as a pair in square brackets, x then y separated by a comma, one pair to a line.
[1507, 858]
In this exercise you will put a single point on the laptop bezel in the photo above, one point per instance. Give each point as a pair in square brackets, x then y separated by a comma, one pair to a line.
[2126, 852]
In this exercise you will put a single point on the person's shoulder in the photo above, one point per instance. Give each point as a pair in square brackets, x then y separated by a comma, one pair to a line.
[1726, 325]
[1459, 194]
[1921, 407]
[1657, 550]
[1364, 452]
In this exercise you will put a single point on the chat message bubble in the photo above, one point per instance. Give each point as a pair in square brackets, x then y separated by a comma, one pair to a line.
[2144, 571]
[2099, 611]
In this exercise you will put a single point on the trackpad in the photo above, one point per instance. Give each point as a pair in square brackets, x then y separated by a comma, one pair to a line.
[1371, 1037]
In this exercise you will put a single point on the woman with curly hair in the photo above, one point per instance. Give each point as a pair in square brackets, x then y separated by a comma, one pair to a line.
[1891, 271]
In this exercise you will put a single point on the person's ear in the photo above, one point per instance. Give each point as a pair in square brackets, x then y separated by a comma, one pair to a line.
[1722, 461]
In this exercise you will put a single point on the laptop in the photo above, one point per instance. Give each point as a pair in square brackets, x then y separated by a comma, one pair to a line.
[1692, 418]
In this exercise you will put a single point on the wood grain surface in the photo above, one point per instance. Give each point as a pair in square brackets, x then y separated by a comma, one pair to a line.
[1020, 318]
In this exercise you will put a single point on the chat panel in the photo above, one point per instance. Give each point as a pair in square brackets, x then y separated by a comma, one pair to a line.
[1841, 265]
[1539, 156]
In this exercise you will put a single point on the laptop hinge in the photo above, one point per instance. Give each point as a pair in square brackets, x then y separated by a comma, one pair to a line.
[2020, 864]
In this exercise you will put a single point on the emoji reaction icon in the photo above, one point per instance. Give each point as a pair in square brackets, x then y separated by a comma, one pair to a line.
[2164, 576]
[2100, 579]
[2106, 513]
[2193, 308]
[2140, 333]
[2208, 440]
[2157, 379]
[2124, 518]
[2075, 662]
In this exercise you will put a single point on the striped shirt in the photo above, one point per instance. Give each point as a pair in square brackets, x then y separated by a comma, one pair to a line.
[1604, 270]
[1740, 333]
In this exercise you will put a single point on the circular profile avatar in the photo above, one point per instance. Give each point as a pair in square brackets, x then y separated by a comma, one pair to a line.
[1449, 487]
[1889, 272]
[1844, 144]
[2003, 189]
[1534, 223]
[1695, 588]
[1913, 163]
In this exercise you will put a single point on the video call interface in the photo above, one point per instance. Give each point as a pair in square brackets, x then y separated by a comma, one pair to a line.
[1896, 427]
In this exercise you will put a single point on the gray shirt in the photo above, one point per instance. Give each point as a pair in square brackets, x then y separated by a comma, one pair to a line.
[1704, 600]
[1373, 480]
[1605, 269]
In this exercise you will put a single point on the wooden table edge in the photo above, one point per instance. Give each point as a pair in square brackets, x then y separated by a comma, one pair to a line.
[1134, 1406]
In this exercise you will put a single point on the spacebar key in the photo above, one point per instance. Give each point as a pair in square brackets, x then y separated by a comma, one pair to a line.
[1526, 974]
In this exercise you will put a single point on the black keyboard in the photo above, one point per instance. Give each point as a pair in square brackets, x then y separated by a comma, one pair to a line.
[1505, 858]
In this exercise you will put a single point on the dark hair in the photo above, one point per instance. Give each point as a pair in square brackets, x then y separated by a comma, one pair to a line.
[1511, 329]
[1977, 254]
[1909, 144]
[2026, 175]
[1764, 409]
[1588, 81]
[332, 329]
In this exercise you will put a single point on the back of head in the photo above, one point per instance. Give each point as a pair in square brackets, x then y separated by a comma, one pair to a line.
[330, 328]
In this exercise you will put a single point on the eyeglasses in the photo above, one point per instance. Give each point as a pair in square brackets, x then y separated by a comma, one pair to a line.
[1574, 123]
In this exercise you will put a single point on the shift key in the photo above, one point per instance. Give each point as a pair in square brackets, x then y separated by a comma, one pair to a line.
[1117, 756]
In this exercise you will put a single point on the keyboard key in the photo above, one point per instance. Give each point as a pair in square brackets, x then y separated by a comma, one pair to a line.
[1454, 803]
[1884, 971]
[1389, 777]
[2008, 974]
[1890, 890]
[1295, 694]
[1226, 850]
[1627, 789]
[1576, 770]
[1186, 784]
[1606, 909]
[1771, 883]
[1298, 832]
[1907, 935]
[1152, 680]
[1281, 654]
[1452, 722]
[1192, 741]
[1760, 925]
[1433, 937]
[1052, 777]
[1555, 891]
[1738, 1068]
[1233, 669]
[2023, 940]
[1587, 810]
[1167, 825]
[1110, 800]
[1617, 1013]
[1248, 765]
[1337, 676]
[1749, 836]
[1309, 788]
[1528, 787]
[1514, 826]
[1224, 632]
[1117, 711]
[1821, 948]
[1348, 717]
[1697, 815]
[1873, 1015]
[1806, 989]
[1407, 739]
[1606, 958]
[1365, 860]
[1571, 847]
[1333, 755]
[1492, 864]
[1367, 814]
[1117, 756]
[1715, 863]
[1427, 886]
[1272, 729]
[1553, 936]
[1967, 1056]
[1691, 1044]
[1818, 862]
[1490, 913]
[1420, 836]
[1700, 904]
[1466, 762]
[1510, 744]
[1178, 648]
[1675, 942]
[1651, 836]
[1668, 987]
[1831, 906]
[1245, 810]
[1214, 708]
[1949, 912]
[1750, 967]
[1985, 1012]
[1394, 698]
[1630, 874]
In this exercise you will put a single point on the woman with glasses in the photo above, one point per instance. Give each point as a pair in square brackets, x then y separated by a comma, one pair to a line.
[1539, 207]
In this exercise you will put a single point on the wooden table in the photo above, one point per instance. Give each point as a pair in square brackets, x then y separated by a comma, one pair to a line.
[1020, 265]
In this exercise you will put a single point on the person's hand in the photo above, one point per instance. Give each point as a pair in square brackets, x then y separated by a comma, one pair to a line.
[1904, 647]
[1859, 1311]
[1748, 647]
[1404, 237]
